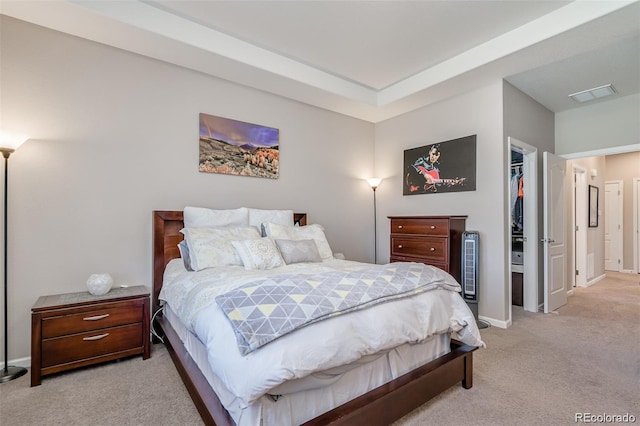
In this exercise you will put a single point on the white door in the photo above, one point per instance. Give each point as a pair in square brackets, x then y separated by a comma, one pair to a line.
[636, 225]
[555, 273]
[580, 222]
[612, 226]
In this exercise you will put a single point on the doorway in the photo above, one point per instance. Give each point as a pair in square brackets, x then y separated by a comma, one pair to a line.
[527, 235]
[636, 225]
[613, 226]
[579, 203]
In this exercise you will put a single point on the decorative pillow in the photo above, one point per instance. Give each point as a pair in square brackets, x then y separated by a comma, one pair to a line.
[314, 232]
[282, 217]
[258, 254]
[200, 217]
[184, 254]
[211, 247]
[296, 251]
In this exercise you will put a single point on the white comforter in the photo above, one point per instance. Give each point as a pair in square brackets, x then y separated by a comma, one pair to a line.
[321, 346]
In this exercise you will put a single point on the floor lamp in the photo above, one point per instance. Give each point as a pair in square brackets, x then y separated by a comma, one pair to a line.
[374, 182]
[9, 142]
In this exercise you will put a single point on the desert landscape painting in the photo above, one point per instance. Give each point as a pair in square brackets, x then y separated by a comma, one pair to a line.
[237, 148]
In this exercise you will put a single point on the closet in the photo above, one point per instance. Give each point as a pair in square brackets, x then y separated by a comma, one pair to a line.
[517, 227]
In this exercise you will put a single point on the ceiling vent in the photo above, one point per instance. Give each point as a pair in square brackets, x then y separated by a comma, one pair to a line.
[595, 93]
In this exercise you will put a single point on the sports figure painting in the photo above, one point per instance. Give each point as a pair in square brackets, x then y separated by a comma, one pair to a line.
[441, 167]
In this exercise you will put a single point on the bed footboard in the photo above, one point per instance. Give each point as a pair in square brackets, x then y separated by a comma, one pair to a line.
[391, 401]
[381, 406]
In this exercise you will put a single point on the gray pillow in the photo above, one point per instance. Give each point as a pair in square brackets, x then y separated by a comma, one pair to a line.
[184, 254]
[297, 251]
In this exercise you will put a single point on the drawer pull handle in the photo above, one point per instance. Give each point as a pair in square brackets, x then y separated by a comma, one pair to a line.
[96, 318]
[399, 226]
[432, 249]
[433, 227]
[98, 337]
[399, 246]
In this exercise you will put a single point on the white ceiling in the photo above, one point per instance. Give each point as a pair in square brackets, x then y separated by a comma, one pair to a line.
[371, 59]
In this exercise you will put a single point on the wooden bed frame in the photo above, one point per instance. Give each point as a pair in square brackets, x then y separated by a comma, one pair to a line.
[380, 406]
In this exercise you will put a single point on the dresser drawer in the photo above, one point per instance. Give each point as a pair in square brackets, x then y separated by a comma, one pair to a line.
[443, 266]
[90, 320]
[67, 349]
[425, 247]
[409, 226]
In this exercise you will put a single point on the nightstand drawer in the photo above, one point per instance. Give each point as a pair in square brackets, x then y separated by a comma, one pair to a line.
[432, 227]
[428, 248]
[90, 320]
[61, 350]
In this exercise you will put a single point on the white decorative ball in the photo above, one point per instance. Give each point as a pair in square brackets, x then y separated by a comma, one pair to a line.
[99, 284]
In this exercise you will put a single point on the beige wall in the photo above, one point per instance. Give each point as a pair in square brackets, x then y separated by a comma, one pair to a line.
[115, 136]
[625, 167]
[610, 124]
[531, 123]
[595, 236]
[478, 112]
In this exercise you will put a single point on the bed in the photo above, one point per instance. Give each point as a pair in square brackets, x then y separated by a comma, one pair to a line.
[382, 402]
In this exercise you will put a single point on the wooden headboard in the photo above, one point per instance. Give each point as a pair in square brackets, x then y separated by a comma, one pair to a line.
[166, 237]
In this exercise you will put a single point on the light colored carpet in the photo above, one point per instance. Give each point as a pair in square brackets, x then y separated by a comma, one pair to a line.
[542, 370]
[127, 392]
[546, 368]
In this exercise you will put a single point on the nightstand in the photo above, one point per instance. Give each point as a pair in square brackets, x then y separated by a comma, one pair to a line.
[78, 329]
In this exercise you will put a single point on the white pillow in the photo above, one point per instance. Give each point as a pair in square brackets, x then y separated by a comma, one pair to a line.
[211, 247]
[200, 217]
[282, 217]
[258, 254]
[297, 251]
[314, 232]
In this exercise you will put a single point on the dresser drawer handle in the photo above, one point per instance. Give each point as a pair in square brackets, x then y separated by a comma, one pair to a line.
[399, 246]
[399, 226]
[98, 337]
[432, 249]
[96, 318]
[433, 227]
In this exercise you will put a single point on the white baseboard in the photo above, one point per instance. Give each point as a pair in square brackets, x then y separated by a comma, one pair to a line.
[20, 362]
[495, 322]
[628, 271]
[570, 292]
[595, 280]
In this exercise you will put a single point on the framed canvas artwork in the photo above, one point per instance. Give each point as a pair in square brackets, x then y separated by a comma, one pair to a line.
[448, 166]
[237, 148]
[593, 206]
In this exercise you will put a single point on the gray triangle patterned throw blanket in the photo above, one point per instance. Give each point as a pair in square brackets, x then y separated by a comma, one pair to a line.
[263, 310]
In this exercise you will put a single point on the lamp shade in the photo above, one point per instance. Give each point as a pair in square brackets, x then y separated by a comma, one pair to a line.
[11, 141]
[374, 182]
